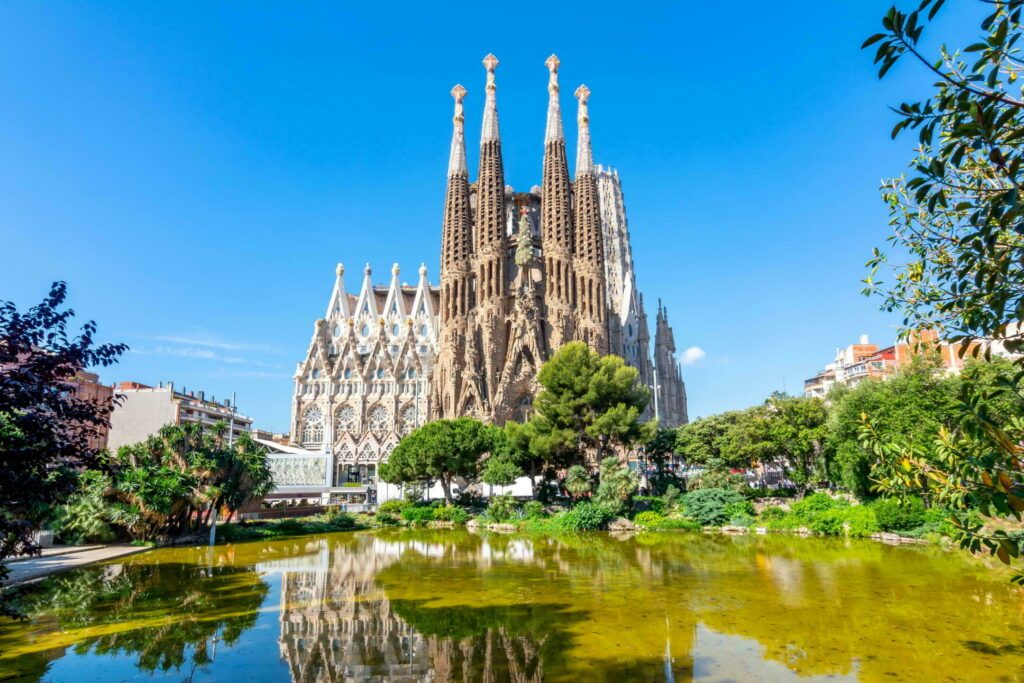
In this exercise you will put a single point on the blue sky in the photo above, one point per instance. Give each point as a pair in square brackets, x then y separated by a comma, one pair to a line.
[195, 170]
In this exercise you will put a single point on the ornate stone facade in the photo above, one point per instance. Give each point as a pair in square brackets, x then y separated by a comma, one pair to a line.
[365, 380]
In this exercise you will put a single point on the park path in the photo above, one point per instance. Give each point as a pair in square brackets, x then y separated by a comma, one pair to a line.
[58, 559]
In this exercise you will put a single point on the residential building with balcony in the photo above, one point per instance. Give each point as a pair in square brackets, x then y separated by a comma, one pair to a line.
[142, 410]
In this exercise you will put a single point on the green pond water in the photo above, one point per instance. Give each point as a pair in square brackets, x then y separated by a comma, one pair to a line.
[455, 606]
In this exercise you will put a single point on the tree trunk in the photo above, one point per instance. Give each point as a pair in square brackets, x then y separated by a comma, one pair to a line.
[446, 486]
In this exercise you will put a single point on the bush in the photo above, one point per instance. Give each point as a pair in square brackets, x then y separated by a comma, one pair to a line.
[450, 513]
[534, 510]
[585, 517]
[418, 514]
[861, 520]
[393, 506]
[649, 519]
[707, 506]
[828, 522]
[649, 503]
[742, 519]
[680, 523]
[340, 521]
[387, 519]
[501, 508]
[810, 506]
[290, 527]
[896, 515]
[781, 492]
[772, 512]
[739, 508]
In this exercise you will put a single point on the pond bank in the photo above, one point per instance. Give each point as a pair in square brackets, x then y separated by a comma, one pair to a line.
[27, 569]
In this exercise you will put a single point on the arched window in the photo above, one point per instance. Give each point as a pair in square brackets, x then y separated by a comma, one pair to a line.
[313, 425]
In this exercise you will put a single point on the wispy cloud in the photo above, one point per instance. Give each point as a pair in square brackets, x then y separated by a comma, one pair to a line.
[200, 353]
[212, 343]
[692, 355]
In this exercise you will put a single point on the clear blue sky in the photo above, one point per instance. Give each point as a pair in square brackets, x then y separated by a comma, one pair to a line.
[195, 170]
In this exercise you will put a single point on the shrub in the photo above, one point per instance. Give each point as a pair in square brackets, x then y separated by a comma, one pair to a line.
[393, 506]
[288, 527]
[861, 521]
[718, 479]
[810, 506]
[771, 512]
[418, 514]
[896, 515]
[649, 503]
[585, 517]
[738, 508]
[341, 521]
[387, 519]
[828, 522]
[671, 497]
[450, 513]
[534, 510]
[680, 523]
[742, 519]
[648, 519]
[781, 492]
[501, 508]
[707, 506]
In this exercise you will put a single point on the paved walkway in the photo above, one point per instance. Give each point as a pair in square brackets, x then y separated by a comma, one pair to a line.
[60, 559]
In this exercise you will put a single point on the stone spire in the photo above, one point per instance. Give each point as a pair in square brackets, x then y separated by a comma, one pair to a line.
[457, 158]
[556, 222]
[588, 258]
[553, 131]
[490, 213]
[490, 128]
[668, 376]
[584, 156]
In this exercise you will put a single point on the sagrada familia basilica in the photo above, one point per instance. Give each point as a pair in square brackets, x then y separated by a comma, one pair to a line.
[521, 274]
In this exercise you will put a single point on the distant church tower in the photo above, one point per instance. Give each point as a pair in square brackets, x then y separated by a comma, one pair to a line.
[669, 387]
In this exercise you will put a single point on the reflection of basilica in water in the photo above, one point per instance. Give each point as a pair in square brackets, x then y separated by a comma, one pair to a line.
[338, 625]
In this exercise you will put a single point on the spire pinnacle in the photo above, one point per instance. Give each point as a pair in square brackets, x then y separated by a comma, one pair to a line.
[554, 128]
[457, 158]
[584, 155]
[490, 129]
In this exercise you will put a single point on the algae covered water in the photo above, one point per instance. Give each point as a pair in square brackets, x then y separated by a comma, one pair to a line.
[456, 606]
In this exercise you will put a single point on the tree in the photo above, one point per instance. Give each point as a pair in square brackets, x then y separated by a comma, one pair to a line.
[440, 450]
[792, 434]
[45, 429]
[588, 406]
[616, 485]
[659, 449]
[711, 441]
[959, 216]
[577, 481]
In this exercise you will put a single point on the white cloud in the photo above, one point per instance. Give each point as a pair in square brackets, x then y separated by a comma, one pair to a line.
[692, 355]
[201, 354]
[213, 343]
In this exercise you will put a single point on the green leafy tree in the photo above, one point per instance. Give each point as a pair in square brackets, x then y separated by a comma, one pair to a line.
[588, 407]
[959, 215]
[438, 451]
[45, 428]
[792, 434]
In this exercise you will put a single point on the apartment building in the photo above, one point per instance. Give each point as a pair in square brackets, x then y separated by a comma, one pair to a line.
[142, 410]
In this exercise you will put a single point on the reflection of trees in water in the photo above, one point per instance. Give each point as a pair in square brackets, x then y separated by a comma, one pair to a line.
[165, 614]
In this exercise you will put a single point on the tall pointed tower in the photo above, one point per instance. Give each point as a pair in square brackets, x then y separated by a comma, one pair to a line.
[668, 376]
[456, 254]
[588, 261]
[556, 223]
[485, 352]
